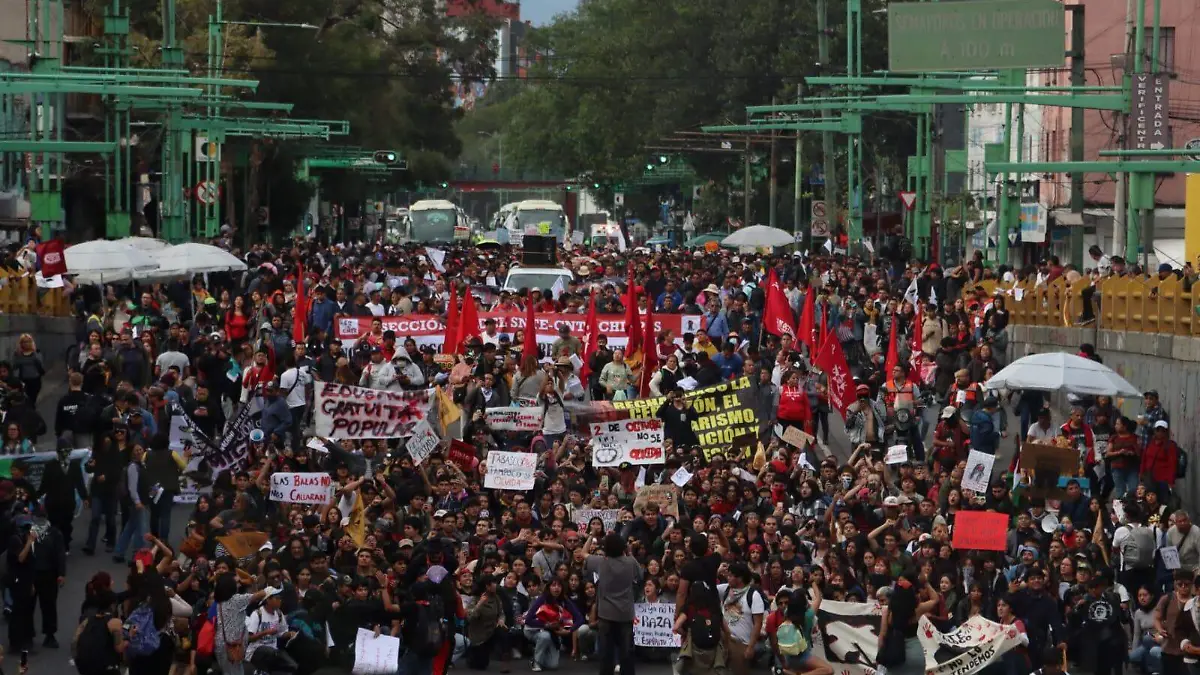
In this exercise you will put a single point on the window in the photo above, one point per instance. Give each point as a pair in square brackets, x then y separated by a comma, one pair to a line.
[1166, 48]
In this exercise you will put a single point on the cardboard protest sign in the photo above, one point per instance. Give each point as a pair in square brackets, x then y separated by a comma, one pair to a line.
[514, 419]
[666, 496]
[301, 488]
[724, 412]
[627, 442]
[653, 624]
[243, 544]
[345, 411]
[423, 442]
[980, 530]
[609, 516]
[796, 437]
[1046, 463]
[510, 470]
[463, 455]
[979, 471]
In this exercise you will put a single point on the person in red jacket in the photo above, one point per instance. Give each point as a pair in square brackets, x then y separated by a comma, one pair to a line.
[1160, 459]
[794, 408]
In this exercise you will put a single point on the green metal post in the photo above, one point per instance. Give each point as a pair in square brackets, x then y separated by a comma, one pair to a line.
[1013, 216]
[1078, 77]
[1002, 210]
[854, 225]
[828, 163]
[1133, 220]
[1148, 215]
[798, 183]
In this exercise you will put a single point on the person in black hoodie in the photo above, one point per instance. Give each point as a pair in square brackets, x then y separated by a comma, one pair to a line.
[1038, 609]
[163, 468]
[62, 480]
[206, 412]
[677, 415]
[73, 412]
[105, 466]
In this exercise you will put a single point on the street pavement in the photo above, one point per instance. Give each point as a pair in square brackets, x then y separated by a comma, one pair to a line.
[80, 568]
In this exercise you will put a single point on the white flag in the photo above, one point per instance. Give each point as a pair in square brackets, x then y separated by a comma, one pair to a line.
[829, 245]
[640, 481]
[911, 294]
[933, 296]
[436, 258]
[558, 288]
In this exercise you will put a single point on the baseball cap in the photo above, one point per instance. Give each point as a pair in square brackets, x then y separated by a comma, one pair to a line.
[1162, 424]
[948, 412]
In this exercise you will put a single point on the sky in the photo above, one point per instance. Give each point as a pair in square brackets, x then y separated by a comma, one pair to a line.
[540, 12]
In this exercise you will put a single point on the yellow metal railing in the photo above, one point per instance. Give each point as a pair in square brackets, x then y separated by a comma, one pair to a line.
[19, 294]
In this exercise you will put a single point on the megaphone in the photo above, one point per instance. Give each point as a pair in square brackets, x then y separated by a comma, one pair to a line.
[1049, 523]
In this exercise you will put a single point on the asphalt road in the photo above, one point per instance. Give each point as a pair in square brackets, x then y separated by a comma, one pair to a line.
[80, 568]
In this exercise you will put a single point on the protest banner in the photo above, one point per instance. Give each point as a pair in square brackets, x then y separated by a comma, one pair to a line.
[241, 545]
[514, 419]
[724, 412]
[345, 411]
[609, 516]
[979, 471]
[375, 654]
[463, 455]
[301, 488]
[666, 496]
[969, 648]
[35, 464]
[795, 437]
[847, 636]
[980, 530]
[429, 329]
[510, 470]
[181, 432]
[653, 624]
[423, 442]
[1046, 462]
[627, 442]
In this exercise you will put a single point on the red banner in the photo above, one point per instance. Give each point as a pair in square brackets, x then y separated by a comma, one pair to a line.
[428, 329]
[980, 531]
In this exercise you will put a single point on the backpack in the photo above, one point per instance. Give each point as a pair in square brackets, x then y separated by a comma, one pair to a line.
[144, 638]
[430, 632]
[704, 622]
[94, 651]
[790, 639]
[1137, 552]
[1181, 462]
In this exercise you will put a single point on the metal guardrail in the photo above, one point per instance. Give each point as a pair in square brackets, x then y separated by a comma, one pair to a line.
[19, 294]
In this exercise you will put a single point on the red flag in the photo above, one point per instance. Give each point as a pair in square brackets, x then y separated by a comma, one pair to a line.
[633, 326]
[824, 333]
[807, 320]
[650, 353]
[300, 313]
[449, 344]
[468, 320]
[778, 318]
[591, 335]
[832, 361]
[893, 355]
[529, 337]
[51, 259]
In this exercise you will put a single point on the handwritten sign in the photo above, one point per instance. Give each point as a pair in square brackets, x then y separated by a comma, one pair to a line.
[301, 488]
[896, 454]
[681, 476]
[652, 625]
[796, 438]
[979, 471]
[980, 531]
[514, 419]
[666, 496]
[609, 516]
[345, 411]
[423, 442]
[1170, 557]
[375, 655]
[627, 442]
[510, 470]
[463, 455]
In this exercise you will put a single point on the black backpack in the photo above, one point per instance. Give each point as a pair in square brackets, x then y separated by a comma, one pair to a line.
[430, 632]
[94, 649]
[704, 620]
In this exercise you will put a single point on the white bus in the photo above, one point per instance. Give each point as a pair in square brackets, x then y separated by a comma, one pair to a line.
[537, 216]
[436, 221]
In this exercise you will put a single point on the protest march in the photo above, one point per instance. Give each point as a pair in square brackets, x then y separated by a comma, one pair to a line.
[687, 459]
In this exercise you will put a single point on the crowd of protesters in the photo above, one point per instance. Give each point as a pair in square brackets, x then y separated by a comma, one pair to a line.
[465, 575]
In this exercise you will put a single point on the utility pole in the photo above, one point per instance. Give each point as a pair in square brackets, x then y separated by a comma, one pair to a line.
[746, 188]
[1078, 79]
[1120, 245]
[1149, 214]
[773, 188]
[1132, 243]
[798, 183]
[831, 191]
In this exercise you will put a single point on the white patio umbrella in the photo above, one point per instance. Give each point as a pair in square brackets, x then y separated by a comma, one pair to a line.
[759, 235]
[103, 261]
[185, 260]
[1060, 371]
[147, 244]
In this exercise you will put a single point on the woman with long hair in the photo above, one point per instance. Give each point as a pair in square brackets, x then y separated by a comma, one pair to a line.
[554, 413]
[549, 623]
[15, 442]
[238, 320]
[229, 623]
[27, 365]
[485, 622]
[530, 379]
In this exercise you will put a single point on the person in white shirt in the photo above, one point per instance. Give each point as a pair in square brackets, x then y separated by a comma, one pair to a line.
[378, 374]
[294, 384]
[408, 374]
[490, 335]
[264, 628]
[743, 609]
[1042, 431]
[172, 358]
[376, 303]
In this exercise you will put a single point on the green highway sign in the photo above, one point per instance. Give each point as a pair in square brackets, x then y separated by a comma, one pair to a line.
[978, 34]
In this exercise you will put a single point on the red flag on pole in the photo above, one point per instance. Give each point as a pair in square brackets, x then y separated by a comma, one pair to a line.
[591, 335]
[807, 320]
[650, 353]
[529, 337]
[300, 314]
[893, 354]
[449, 346]
[633, 324]
[468, 320]
[778, 318]
[832, 361]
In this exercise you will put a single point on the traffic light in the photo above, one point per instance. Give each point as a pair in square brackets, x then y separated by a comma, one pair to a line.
[444, 185]
[649, 167]
[663, 159]
[595, 186]
[386, 156]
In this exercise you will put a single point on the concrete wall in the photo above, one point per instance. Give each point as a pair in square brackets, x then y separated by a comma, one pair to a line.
[1166, 363]
[52, 334]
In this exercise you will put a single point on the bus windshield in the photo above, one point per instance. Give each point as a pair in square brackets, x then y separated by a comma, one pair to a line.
[544, 221]
[435, 226]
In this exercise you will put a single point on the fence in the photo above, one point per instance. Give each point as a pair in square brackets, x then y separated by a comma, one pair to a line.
[19, 294]
[1141, 305]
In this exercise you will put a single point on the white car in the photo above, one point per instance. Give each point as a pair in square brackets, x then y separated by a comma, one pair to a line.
[541, 278]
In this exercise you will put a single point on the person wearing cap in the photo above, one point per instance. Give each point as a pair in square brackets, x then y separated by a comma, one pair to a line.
[1152, 412]
[379, 374]
[951, 439]
[1160, 459]
[566, 344]
[265, 628]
